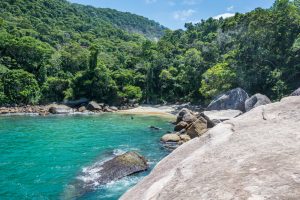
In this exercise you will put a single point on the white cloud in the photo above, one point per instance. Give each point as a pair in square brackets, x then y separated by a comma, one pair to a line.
[224, 15]
[183, 14]
[230, 8]
[150, 1]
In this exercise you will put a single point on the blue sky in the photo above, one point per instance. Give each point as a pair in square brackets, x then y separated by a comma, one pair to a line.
[175, 13]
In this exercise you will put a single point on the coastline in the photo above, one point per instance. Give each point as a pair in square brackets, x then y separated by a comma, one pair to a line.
[161, 110]
[169, 111]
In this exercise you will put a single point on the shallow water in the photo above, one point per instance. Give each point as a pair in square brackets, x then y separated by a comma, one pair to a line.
[41, 156]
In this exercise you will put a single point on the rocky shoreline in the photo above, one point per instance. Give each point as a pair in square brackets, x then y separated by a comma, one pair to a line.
[254, 155]
[190, 124]
[91, 107]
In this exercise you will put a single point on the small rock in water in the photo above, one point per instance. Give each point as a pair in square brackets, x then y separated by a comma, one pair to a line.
[106, 172]
[155, 128]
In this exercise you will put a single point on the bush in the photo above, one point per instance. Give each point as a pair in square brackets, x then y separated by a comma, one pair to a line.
[217, 79]
[20, 86]
[131, 92]
[54, 89]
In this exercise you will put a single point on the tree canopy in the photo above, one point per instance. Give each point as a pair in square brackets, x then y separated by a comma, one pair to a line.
[54, 50]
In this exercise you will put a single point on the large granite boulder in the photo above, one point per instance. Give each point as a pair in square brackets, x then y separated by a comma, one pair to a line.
[296, 92]
[102, 173]
[198, 128]
[254, 156]
[94, 106]
[218, 116]
[233, 99]
[59, 109]
[255, 101]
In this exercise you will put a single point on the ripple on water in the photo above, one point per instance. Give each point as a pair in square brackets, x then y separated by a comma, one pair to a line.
[41, 156]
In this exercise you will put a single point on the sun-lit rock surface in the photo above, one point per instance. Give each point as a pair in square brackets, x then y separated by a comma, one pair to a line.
[254, 156]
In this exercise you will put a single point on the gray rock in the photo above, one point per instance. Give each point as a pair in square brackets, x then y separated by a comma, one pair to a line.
[181, 125]
[255, 101]
[254, 156]
[93, 106]
[186, 115]
[103, 173]
[82, 109]
[198, 128]
[113, 108]
[218, 116]
[76, 103]
[107, 109]
[296, 92]
[59, 109]
[173, 137]
[233, 99]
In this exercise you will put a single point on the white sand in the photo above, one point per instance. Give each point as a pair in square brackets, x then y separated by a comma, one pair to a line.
[166, 110]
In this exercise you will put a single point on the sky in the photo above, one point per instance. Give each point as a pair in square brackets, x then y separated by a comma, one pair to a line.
[175, 13]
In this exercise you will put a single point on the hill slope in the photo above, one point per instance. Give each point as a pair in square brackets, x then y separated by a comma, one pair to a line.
[64, 15]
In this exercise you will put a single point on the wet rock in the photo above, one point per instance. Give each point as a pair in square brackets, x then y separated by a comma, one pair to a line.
[154, 128]
[103, 173]
[233, 99]
[59, 109]
[255, 101]
[197, 128]
[170, 138]
[94, 106]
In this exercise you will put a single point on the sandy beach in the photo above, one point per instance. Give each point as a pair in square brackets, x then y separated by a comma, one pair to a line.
[163, 110]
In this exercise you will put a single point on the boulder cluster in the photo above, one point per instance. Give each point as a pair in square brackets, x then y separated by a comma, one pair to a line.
[224, 107]
[86, 107]
[68, 107]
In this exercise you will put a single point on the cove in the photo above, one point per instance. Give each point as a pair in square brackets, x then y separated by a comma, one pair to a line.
[41, 156]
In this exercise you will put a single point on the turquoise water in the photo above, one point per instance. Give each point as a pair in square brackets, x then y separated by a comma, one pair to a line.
[41, 156]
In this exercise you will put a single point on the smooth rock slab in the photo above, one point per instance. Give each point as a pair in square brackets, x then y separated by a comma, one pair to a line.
[218, 116]
[254, 156]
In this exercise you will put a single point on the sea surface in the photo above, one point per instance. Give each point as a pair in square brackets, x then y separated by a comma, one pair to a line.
[41, 156]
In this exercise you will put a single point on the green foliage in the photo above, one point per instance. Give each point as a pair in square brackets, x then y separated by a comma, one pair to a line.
[75, 51]
[55, 89]
[95, 84]
[131, 92]
[20, 86]
[217, 79]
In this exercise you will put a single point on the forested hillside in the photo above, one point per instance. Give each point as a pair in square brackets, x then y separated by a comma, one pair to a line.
[54, 50]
